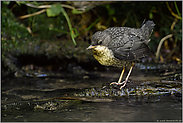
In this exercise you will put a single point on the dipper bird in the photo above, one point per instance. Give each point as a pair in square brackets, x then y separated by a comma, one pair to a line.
[121, 47]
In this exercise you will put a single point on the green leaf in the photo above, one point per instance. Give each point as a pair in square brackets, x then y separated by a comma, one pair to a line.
[54, 10]
[150, 15]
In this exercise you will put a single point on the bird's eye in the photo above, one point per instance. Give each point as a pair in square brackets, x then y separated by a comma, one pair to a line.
[100, 42]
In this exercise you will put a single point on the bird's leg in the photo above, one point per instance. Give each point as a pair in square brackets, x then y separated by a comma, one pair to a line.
[126, 80]
[120, 78]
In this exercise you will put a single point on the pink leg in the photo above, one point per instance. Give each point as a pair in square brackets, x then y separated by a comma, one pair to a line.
[121, 76]
[126, 80]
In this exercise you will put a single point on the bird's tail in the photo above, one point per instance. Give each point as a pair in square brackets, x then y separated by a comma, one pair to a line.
[147, 28]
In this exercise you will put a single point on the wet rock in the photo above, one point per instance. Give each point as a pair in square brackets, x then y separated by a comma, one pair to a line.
[148, 88]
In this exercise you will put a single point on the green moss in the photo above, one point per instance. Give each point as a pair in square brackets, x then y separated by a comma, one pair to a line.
[13, 34]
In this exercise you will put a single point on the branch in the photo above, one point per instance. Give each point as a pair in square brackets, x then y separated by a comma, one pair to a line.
[160, 44]
[173, 24]
[48, 6]
[41, 7]
[29, 15]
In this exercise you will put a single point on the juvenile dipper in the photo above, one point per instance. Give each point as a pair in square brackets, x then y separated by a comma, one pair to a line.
[121, 47]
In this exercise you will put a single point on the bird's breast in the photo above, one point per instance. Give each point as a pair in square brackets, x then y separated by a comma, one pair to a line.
[106, 57]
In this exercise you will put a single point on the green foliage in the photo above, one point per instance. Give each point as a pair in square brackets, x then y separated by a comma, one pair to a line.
[177, 9]
[13, 34]
[41, 25]
[58, 21]
[111, 11]
[69, 24]
[55, 10]
[151, 12]
[178, 31]
[10, 27]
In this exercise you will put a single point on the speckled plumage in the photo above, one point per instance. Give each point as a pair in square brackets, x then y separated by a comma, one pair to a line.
[120, 46]
[106, 57]
[124, 43]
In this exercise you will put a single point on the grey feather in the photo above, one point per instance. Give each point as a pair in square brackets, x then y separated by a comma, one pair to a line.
[126, 43]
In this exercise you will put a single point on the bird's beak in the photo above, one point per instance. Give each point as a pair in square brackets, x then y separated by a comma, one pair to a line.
[90, 47]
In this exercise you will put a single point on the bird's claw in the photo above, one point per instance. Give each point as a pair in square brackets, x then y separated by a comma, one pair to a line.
[121, 83]
[114, 83]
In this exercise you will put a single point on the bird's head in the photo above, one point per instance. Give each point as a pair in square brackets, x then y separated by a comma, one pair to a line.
[100, 38]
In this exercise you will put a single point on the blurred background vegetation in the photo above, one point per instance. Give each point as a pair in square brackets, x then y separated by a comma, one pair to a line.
[33, 27]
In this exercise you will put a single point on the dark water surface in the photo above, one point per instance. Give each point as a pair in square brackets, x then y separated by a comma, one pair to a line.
[21, 95]
[120, 110]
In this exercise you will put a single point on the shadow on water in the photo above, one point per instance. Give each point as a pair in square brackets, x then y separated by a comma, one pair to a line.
[90, 98]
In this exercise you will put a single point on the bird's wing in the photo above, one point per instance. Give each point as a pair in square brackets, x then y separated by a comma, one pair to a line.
[131, 49]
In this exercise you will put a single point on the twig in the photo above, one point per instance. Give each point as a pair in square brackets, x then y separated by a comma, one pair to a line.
[160, 44]
[38, 7]
[41, 7]
[175, 15]
[67, 6]
[173, 24]
[29, 15]
[48, 6]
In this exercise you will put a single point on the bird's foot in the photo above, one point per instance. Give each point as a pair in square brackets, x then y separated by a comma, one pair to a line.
[120, 83]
